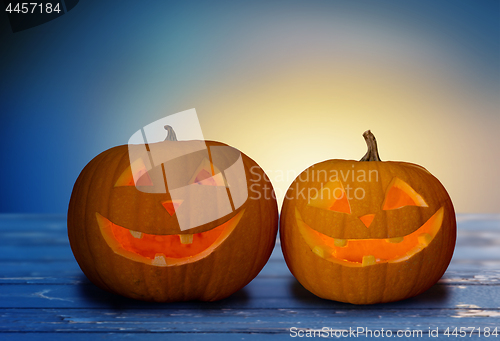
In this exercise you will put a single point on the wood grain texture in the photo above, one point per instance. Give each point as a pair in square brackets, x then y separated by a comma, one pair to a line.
[44, 295]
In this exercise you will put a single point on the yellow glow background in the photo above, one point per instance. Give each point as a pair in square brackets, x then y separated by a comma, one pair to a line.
[313, 103]
[288, 82]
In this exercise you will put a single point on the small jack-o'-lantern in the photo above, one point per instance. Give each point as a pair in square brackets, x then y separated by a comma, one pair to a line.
[367, 231]
[130, 240]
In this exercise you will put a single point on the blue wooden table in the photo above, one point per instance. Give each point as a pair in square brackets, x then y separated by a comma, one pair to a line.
[44, 295]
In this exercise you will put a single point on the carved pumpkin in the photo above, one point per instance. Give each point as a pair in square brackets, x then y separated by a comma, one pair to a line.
[367, 231]
[129, 241]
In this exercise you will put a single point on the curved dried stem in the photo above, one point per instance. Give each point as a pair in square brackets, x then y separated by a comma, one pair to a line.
[371, 142]
[171, 133]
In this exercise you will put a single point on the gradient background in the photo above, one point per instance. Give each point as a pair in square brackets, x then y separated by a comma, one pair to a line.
[289, 83]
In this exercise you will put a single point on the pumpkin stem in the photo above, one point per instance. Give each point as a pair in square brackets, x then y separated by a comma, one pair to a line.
[171, 133]
[371, 142]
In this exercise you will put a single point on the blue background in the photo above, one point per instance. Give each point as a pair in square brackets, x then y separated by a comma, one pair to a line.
[88, 80]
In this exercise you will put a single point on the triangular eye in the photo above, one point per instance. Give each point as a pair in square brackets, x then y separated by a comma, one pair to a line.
[400, 194]
[202, 175]
[141, 175]
[341, 205]
[331, 197]
[207, 174]
[171, 205]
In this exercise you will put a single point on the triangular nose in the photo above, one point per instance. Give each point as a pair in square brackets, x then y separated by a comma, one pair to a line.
[171, 205]
[367, 219]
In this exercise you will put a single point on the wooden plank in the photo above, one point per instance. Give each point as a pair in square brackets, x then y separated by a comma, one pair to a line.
[85, 336]
[64, 271]
[34, 238]
[260, 293]
[69, 273]
[250, 336]
[478, 277]
[36, 253]
[478, 222]
[266, 321]
[30, 271]
[31, 222]
[43, 292]
[476, 253]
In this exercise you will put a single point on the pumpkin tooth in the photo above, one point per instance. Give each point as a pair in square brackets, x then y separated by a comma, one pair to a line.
[324, 251]
[340, 242]
[414, 251]
[368, 260]
[186, 238]
[395, 240]
[159, 260]
[136, 234]
[424, 239]
[319, 251]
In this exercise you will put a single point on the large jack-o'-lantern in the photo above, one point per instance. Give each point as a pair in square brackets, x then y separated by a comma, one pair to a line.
[367, 231]
[130, 241]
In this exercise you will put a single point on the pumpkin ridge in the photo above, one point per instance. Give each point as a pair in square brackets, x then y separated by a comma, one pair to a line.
[86, 231]
[118, 150]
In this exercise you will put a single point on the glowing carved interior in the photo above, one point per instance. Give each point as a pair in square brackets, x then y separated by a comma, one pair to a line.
[331, 197]
[164, 250]
[367, 219]
[207, 174]
[171, 205]
[127, 178]
[400, 194]
[363, 252]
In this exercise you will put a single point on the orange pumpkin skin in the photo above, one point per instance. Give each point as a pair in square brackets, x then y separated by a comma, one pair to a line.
[229, 266]
[337, 273]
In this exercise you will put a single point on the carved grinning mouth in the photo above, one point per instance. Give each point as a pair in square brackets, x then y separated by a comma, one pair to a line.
[164, 250]
[365, 252]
